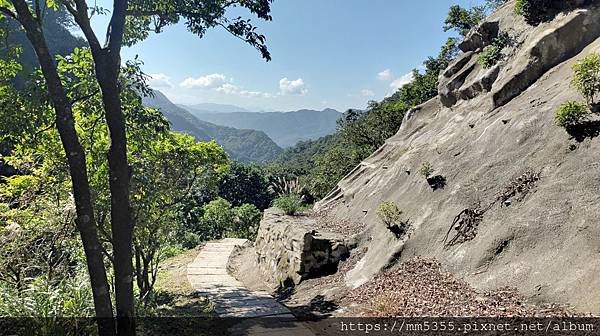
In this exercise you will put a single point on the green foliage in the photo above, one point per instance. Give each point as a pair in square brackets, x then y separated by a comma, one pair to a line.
[426, 169]
[586, 77]
[389, 213]
[571, 114]
[493, 54]
[246, 184]
[290, 204]
[536, 11]
[47, 299]
[217, 219]
[246, 223]
[199, 17]
[166, 168]
[494, 4]
[462, 20]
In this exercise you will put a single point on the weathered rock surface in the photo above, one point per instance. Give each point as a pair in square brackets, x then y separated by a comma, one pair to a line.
[545, 243]
[480, 37]
[532, 52]
[289, 250]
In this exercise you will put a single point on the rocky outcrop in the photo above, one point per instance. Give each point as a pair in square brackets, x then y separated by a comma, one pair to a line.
[532, 52]
[480, 37]
[289, 250]
[485, 130]
[562, 39]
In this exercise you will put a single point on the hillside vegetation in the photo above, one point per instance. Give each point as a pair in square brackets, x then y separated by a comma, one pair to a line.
[285, 128]
[245, 145]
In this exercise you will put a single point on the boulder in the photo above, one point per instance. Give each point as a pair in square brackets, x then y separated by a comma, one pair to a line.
[480, 37]
[289, 250]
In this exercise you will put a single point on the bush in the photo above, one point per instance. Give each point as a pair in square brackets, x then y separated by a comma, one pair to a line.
[586, 77]
[536, 11]
[493, 54]
[190, 240]
[462, 20]
[426, 169]
[247, 221]
[290, 204]
[389, 213]
[571, 113]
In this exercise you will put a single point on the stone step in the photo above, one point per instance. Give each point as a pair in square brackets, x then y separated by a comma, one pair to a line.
[208, 276]
[206, 271]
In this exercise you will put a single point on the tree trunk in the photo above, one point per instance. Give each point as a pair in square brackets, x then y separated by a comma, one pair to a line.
[77, 168]
[107, 69]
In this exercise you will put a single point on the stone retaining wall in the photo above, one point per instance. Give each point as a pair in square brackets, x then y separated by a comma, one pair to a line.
[289, 250]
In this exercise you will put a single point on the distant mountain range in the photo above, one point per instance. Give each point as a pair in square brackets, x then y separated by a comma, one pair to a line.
[244, 145]
[285, 128]
[212, 108]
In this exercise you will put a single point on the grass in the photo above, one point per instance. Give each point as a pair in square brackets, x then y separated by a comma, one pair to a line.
[178, 306]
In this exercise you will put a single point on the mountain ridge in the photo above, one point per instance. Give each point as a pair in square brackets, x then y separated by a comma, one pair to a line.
[244, 145]
[285, 128]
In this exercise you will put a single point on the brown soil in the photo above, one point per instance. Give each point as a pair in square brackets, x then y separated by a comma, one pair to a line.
[340, 226]
[418, 287]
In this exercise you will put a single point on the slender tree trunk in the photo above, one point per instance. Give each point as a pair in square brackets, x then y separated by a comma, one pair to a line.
[77, 168]
[107, 70]
[107, 60]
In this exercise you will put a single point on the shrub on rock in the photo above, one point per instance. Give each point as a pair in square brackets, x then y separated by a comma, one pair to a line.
[571, 113]
[586, 77]
[389, 213]
[426, 169]
[290, 204]
[536, 11]
[493, 54]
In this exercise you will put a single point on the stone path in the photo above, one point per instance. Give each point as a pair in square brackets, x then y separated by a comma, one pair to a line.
[259, 313]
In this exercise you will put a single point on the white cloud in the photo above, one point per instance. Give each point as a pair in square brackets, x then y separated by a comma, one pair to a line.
[228, 88]
[159, 80]
[207, 82]
[231, 89]
[367, 93]
[400, 82]
[385, 75]
[292, 87]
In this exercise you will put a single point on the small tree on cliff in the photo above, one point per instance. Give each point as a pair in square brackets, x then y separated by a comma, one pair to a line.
[130, 22]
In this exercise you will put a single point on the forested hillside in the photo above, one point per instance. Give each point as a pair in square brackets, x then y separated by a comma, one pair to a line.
[285, 128]
[246, 145]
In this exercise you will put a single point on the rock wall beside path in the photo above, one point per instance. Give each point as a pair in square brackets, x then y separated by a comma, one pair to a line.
[289, 250]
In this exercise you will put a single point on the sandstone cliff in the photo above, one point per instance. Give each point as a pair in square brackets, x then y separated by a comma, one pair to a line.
[515, 199]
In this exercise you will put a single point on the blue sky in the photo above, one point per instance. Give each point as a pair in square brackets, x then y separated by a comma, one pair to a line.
[326, 53]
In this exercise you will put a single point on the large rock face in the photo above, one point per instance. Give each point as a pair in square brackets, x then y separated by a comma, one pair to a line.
[531, 53]
[289, 250]
[520, 202]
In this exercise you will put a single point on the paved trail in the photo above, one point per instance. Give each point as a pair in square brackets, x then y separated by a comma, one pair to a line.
[260, 314]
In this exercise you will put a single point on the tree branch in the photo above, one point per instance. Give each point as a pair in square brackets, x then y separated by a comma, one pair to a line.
[116, 27]
[8, 12]
[86, 97]
[80, 14]
[69, 7]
